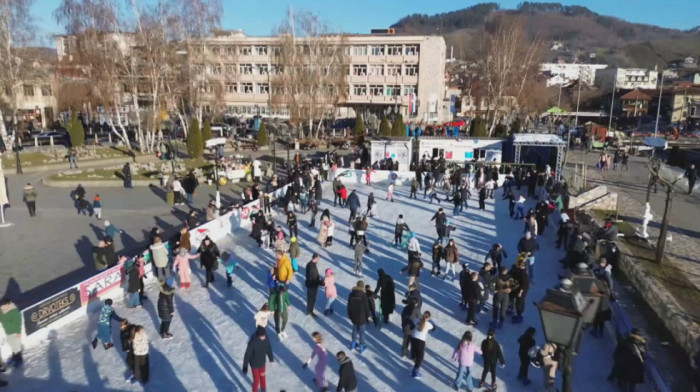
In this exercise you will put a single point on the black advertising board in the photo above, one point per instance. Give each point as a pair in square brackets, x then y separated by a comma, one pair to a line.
[46, 312]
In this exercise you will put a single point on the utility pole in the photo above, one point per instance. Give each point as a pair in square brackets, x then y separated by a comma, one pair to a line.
[612, 103]
[663, 233]
[658, 109]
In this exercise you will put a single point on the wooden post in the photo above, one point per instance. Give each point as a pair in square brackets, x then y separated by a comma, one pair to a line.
[663, 233]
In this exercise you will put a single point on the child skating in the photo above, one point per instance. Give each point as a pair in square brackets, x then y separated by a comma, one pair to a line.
[319, 351]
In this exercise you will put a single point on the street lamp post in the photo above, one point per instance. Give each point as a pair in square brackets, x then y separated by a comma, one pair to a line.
[658, 109]
[562, 312]
[18, 148]
[274, 153]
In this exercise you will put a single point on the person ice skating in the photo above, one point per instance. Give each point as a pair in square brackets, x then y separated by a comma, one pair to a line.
[464, 355]
[437, 256]
[399, 228]
[529, 246]
[368, 175]
[11, 321]
[492, 353]
[511, 203]
[283, 268]
[359, 314]
[386, 291]
[371, 205]
[29, 196]
[166, 307]
[502, 287]
[294, 253]
[414, 292]
[313, 206]
[359, 254]
[280, 243]
[125, 329]
[472, 295]
[330, 232]
[518, 296]
[181, 264]
[371, 300]
[432, 194]
[331, 291]
[390, 192]
[280, 305]
[347, 381]
[520, 207]
[320, 352]
[104, 325]
[464, 278]
[457, 201]
[451, 259]
[420, 333]
[323, 229]
[361, 231]
[209, 259]
[409, 314]
[465, 195]
[414, 272]
[353, 204]
[415, 184]
[160, 258]
[496, 255]
[440, 224]
[256, 351]
[525, 342]
[312, 283]
[262, 316]
[482, 198]
[292, 224]
[139, 347]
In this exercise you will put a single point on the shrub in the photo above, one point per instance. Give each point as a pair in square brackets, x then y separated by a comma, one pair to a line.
[359, 129]
[206, 133]
[262, 135]
[478, 128]
[384, 128]
[399, 128]
[195, 148]
[76, 131]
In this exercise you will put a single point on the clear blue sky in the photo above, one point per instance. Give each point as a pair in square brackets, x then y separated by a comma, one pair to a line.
[259, 17]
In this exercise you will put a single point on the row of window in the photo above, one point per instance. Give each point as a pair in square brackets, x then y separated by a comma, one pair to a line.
[28, 90]
[354, 50]
[377, 90]
[385, 69]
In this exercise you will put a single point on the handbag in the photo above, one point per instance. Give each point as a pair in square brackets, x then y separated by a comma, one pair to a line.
[216, 264]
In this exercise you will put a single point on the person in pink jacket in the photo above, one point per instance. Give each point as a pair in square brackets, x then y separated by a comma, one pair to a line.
[182, 265]
[331, 291]
[464, 355]
[321, 353]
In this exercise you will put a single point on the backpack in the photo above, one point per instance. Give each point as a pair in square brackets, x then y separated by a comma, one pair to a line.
[535, 354]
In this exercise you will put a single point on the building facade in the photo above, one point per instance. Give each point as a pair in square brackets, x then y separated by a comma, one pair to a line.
[686, 103]
[628, 78]
[566, 74]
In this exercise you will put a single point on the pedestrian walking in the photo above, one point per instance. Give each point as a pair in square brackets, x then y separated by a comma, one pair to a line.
[549, 366]
[256, 351]
[313, 282]
[438, 254]
[320, 352]
[209, 259]
[331, 291]
[11, 321]
[526, 341]
[126, 171]
[190, 184]
[104, 325]
[166, 307]
[97, 207]
[359, 314]
[692, 175]
[493, 354]
[464, 355]
[451, 259]
[420, 333]
[29, 196]
[347, 381]
[629, 359]
[73, 158]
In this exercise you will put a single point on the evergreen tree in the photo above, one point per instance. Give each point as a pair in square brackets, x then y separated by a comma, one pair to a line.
[384, 128]
[359, 129]
[262, 135]
[206, 133]
[195, 146]
[399, 128]
[500, 131]
[76, 131]
[516, 126]
[478, 128]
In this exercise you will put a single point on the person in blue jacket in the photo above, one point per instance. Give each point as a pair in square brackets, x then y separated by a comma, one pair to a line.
[104, 325]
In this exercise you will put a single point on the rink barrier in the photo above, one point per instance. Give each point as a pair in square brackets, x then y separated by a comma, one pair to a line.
[358, 176]
[84, 298]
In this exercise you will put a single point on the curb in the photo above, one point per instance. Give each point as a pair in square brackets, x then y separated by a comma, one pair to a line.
[83, 164]
[99, 183]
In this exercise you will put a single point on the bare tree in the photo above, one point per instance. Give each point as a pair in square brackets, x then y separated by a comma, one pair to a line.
[507, 60]
[314, 68]
[15, 32]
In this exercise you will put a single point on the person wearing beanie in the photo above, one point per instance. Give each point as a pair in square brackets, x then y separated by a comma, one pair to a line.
[104, 325]
[313, 281]
[294, 252]
[358, 313]
[331, 291]
[280, 243]
[166, 308]
[258, 348]
[182, 266]
[29, 195]
[493, 354]
[292, 224]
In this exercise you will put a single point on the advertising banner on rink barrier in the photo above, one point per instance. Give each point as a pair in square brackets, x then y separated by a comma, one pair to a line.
[50, 310]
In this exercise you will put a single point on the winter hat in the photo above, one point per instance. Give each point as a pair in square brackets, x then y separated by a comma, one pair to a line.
[294, 239]
[108, 301]
[315, 255]
[170, 282]
[329, 271]
[360, 284]
[280, 235]
[260, 332]
[413, 235]
[107, 223]
[183, 251]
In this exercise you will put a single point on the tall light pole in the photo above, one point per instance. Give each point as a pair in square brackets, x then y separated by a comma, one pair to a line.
[612, 102]
[578, 99]
[658, 109]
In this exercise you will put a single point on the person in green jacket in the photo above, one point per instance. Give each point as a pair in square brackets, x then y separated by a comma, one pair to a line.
[279, 304]
[29, 197]
[11, 322]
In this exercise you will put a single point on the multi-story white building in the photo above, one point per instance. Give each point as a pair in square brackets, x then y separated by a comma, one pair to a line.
[565, 74]
[628, 78]
[383, 72]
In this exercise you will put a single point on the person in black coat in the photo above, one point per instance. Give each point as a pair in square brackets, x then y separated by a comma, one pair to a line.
[511, 202]
[386, 291]
[166, 308]
[414, 292]
[134, 286]
[209, 258]
[292, 223]
[313, 281]
[108, 251]
[347, 381]
[496, 254]
[517, 297]
[492, 353]
[526, 341]
[629, 359]
[358, 313]
[409, 315]
[472, 295]
[258, 348]
[318, 190]
[440, 224]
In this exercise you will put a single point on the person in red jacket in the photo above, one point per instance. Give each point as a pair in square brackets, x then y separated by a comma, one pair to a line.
[343, 191]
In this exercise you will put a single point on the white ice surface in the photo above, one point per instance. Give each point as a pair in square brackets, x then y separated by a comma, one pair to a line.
[211, 327]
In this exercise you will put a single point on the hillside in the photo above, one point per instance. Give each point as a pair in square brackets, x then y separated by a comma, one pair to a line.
[578, 28]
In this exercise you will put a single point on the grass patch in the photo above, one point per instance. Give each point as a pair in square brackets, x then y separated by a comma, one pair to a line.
[47, 158]
[102, 175]
[623, 227]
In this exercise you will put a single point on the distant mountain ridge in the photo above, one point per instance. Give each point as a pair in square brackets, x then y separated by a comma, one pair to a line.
[578, 28]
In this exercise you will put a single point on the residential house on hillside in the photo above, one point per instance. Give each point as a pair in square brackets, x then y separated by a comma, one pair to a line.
[566, 74]
[627, 78]
[635, 103]
[686, 102]
[690, 62]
